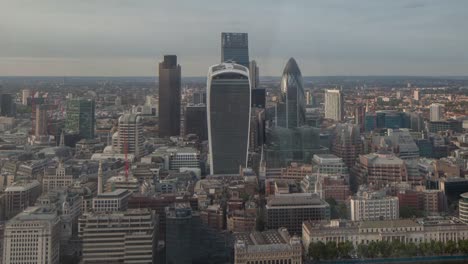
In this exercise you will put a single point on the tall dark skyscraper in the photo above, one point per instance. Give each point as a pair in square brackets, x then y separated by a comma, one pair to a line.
[291, 110]
[169, 97]
[195, 121]
[235, 48]
[7, 106]
[228, 114]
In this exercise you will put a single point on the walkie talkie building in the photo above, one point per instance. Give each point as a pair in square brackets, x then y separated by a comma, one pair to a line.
[228, 114]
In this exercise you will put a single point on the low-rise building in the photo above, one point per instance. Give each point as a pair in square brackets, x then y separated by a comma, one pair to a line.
[273, 246]
[20, 195]
[403, 230]
[112, 201]
[373, 206]
[290, 210]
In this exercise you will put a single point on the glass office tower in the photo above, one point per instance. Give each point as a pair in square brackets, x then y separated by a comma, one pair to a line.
[228, 114]
[235, 48]
[292, 113]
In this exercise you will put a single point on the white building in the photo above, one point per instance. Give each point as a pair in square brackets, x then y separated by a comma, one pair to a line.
[119, 237]
[176, 158]
[436, 112]
[33, 236]
[334, 105]
[129, 138]
[329, 164]
[373, 206]
[404, 230]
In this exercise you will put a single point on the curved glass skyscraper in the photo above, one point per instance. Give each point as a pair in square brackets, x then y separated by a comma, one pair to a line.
[291, 110]
[228, 114]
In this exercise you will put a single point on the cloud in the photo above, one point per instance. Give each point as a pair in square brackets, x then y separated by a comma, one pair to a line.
[415, 5]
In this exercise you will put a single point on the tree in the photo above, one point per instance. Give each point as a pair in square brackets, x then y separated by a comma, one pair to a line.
[409, 212]
[362, 251]
[451, 247]
[316, 250]
[345, 249]
[463, 246]
[331, 250]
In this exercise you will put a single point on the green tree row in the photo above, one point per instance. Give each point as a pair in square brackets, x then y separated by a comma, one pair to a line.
[385, 249]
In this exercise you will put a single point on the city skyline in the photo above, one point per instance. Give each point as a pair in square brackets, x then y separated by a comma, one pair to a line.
[120, 38]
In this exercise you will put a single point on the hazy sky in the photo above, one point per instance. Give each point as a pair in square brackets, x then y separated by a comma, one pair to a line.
[129, 37]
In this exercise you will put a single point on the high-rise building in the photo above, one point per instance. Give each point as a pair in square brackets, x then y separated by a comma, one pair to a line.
[235, 48]
[26, 93]
[119, 237]
[129, 138]
[291, 111]
[169, 97]
[463, 205]
[195, 121]
[7, 105]
[359, 117]
[436, 112]
[81, 117]
[199, 98]
[334, 105]
[347, 143]
[254, 75]
[179, 234]
[228, 115]
[416, 95]
[33, 236]
[41, 121]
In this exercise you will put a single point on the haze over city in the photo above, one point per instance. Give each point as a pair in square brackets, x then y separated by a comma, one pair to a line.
[128, 38]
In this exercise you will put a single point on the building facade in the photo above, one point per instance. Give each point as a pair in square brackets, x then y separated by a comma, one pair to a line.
[235, 48]
[334, 105]
[436, 112]
[374, 206]
[169, 97]
[290, 210]
[120, 237]
[32, 236]
[228, 111]
[81, 118]
[129, 138]
[273, 246]
[61, 179]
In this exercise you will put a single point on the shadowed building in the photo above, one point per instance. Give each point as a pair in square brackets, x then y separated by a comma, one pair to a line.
[228, 114]
[169, 97]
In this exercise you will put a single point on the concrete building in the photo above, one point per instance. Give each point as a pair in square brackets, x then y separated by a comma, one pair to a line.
[26, 93]
[380, 169]
[58, 178]
[346, 143]
[463, 207]
[404, 230]
[128, 236]
[329, 164]
[374, 206]
[129, 138]
[112, 201]
[273, 246]
[32, 236]
[20, 195]
[334, 105]
[290, 210]
[436, 112]
[176, 158]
